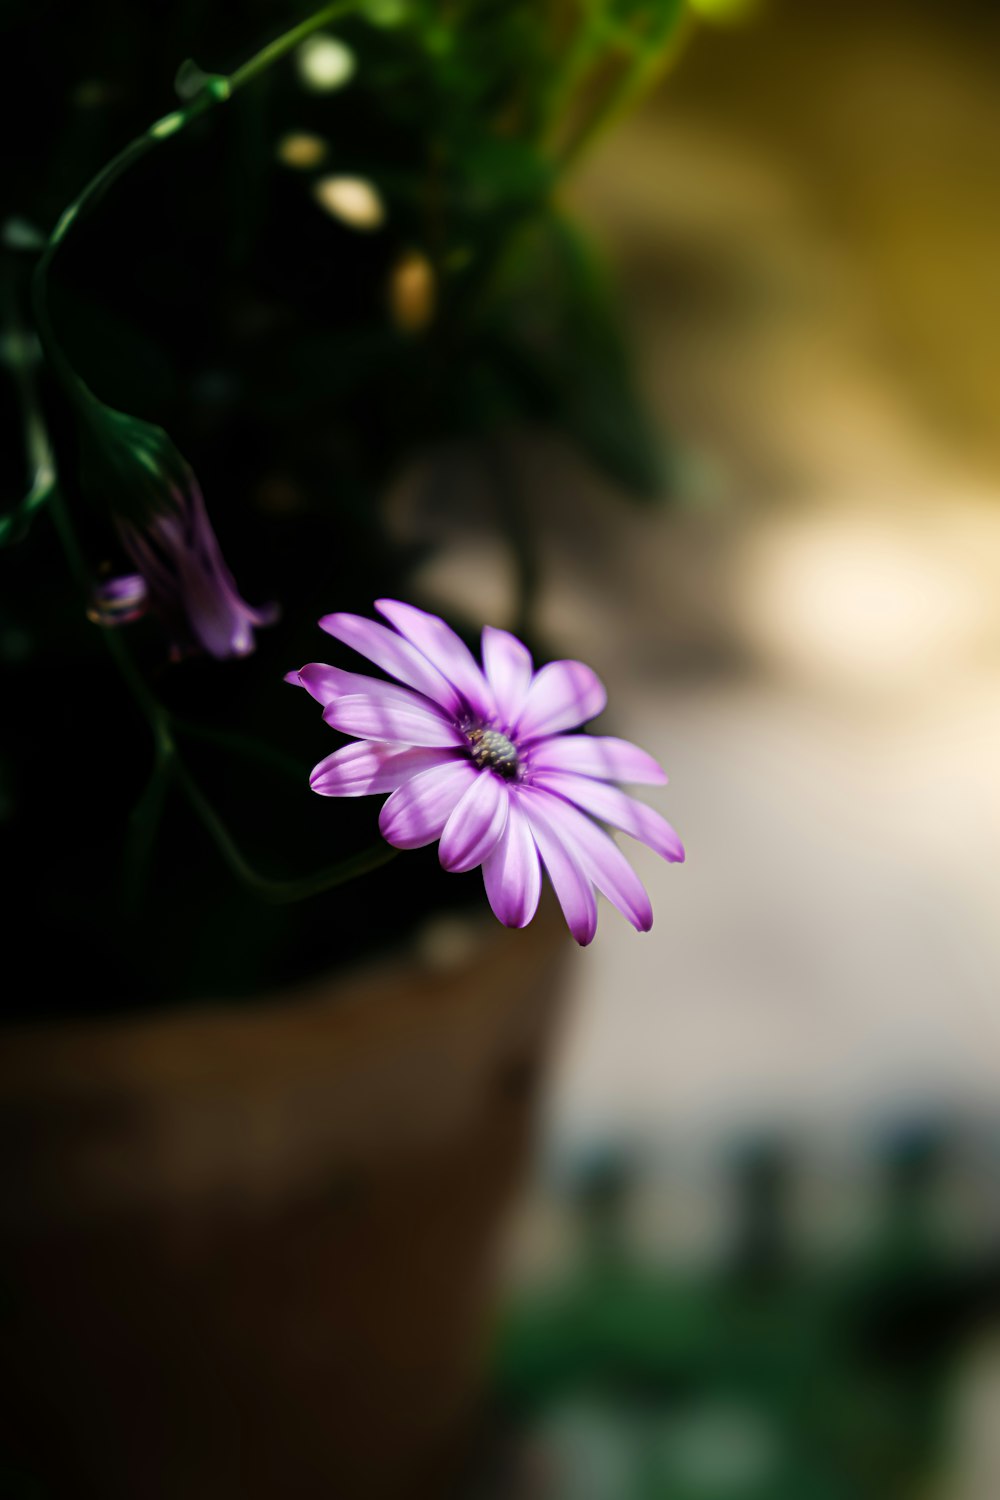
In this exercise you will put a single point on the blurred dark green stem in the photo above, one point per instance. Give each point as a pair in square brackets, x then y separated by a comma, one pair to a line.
[512, 506]
[279, 891]
[287, 41]
[168, 765]
[653, 56]
[216, 90]
[23, 356]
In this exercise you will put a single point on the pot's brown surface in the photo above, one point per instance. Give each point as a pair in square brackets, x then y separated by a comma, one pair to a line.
[249, 1251]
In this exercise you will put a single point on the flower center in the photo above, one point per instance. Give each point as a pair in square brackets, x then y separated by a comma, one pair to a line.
[493, 749]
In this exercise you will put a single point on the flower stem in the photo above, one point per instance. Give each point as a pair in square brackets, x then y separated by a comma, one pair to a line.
[654, 58]
[288, 40]
[153, 712]
[23, 354]
[514, 511]
[216, 90]
[278, 891]
[169, 765]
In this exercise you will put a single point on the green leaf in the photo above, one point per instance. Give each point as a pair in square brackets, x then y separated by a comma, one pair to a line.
[14, 525]
[22, 353]
[558, 333]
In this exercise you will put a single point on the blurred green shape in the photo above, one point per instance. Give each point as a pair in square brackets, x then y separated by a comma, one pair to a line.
[559, 335]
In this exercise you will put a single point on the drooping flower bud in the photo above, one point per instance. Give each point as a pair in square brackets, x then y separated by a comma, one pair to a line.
[119, 601]
[134, 470]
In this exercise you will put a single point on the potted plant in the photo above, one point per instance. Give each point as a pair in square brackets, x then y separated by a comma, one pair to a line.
[266, 1085]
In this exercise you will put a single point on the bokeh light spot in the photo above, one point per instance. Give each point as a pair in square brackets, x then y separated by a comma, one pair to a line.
[301, 150]
[324, 63]
[412, 292]
[352, 200]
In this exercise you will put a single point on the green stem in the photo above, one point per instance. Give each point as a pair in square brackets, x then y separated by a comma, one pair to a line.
[516, 520]
[238, 744]
[287, 41]
[23, 355]
[279, 891]
[658, 54]
[144, 823]
[154, 714]
[168, 764]
[216, 91]
[576, 60]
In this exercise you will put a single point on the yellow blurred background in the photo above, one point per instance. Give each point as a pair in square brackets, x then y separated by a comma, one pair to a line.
[806, 223]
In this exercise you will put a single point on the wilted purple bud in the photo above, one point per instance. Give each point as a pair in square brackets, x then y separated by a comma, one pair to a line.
[190, 587]
[135, 470]
[119, 601]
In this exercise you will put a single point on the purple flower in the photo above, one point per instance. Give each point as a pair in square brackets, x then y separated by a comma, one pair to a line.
[189, 585]
[478, 758]
[119, 601]
[133, 471]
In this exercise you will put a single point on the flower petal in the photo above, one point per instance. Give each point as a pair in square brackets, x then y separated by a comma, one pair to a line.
[475, 824]
[416, 812]
[512, 874]
[190, 585]
[571, 884]
[616, 807]
[561, 696]
[443, 648]
[327, 683]
[383, 711]
[508, 670]
[601, 859]
[388, 650]
[598, 755]
[361, 769]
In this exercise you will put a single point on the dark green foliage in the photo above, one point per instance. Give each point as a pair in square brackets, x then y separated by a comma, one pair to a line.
[200, 301]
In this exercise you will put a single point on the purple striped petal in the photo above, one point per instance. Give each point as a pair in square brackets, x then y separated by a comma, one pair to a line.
[571, 884]
[475, 824]
[601, 859]
[394, 655]
[327, 683]
[442, 647]
[512, 874]
[386, 712]
[561, 696]
[617, 808]
[597, 755]
[416, 812]
[364, 768]
[508, 670]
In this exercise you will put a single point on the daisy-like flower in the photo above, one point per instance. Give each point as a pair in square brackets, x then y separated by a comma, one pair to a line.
[478, 757]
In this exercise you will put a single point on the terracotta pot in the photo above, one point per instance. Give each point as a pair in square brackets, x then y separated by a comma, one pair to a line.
[249, 1251]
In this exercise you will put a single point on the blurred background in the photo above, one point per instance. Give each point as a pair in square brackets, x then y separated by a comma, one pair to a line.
[761, 1254]
[757, 1254]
